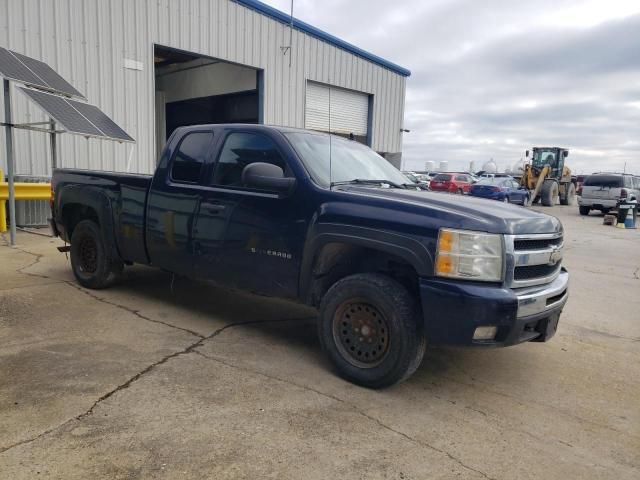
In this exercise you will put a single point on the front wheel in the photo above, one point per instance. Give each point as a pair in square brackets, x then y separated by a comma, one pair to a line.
[584, 210]
[370, 330]
[91, 263]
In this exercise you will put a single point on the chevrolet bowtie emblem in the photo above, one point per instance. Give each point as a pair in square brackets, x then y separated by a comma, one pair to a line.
[555, 256]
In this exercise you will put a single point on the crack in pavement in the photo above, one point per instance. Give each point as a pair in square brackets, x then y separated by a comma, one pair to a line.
[94, 296]
[355, 409]
[123, 386]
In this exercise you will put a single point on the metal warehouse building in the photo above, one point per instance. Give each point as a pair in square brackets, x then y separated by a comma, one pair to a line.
[154, 65]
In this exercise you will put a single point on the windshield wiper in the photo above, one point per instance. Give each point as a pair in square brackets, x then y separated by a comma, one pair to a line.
[366, 181]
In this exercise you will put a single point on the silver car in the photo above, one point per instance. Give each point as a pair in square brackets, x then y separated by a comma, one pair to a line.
[603, 191]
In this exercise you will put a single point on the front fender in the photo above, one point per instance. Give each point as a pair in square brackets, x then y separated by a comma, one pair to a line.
[401, 245]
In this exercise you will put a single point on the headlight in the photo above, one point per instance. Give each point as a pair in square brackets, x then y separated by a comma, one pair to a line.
[469, 255]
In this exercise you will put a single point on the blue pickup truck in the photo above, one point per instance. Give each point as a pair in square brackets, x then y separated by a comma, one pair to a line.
[323, 220]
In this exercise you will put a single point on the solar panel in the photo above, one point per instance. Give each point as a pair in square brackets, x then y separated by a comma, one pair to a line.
[100, 120]
[27, 70]
[64, 113]
[50, 77]
[13, 69]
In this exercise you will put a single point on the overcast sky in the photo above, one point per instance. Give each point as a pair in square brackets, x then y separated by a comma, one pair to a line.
[492, 78]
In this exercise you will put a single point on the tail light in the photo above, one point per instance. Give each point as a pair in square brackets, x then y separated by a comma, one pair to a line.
[623, 193]
[52, 198]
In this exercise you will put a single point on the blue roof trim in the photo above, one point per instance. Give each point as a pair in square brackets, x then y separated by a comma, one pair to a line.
[319, 34]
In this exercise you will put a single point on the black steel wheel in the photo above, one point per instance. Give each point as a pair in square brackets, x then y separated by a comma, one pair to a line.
[88, 255]
[91, 262]
[361, 333]
[371, 330]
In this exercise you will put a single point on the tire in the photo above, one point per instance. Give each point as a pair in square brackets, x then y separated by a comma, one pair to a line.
[549, 193]
[460, 191]
[390, 315]
[584, 210]
[91, 263]
[570, 197]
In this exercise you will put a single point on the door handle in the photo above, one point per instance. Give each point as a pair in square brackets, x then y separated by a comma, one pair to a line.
[213, 208]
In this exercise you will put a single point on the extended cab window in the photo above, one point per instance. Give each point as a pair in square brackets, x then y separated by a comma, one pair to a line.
[190, 157]
[241, 149]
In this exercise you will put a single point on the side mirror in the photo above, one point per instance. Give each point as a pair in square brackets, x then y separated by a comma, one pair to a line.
[266, 176]
[526, 154]
[565, 153]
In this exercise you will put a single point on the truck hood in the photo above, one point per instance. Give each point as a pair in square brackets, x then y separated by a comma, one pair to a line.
[461, 211]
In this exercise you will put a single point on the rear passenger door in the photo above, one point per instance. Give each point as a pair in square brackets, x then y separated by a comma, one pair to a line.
[247, 238]
[173, 202]
[463, 182]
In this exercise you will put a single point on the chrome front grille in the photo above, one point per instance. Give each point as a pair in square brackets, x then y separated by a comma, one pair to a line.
[533, 259]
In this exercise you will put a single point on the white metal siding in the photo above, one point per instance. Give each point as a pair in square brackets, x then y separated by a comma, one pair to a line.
[349, 110]
[87, 42]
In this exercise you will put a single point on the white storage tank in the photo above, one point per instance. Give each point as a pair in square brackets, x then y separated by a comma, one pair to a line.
[429, 166]
[444, 166]
[518, 167]
[490, 166]
[472, 166]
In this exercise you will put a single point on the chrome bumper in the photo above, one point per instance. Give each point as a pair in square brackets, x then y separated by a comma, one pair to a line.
[543, 298]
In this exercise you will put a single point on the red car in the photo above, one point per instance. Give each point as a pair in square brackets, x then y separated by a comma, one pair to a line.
[451, 182]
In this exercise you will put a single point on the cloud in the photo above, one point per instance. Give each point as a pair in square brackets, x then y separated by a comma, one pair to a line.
[492, 79]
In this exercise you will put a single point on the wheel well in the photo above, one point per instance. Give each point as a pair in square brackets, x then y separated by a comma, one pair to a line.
[337, 260]
[74, 213]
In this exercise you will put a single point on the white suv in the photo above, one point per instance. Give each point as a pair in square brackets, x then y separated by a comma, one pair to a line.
[603, 191]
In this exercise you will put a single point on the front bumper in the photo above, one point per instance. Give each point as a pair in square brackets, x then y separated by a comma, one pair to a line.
[453, 310]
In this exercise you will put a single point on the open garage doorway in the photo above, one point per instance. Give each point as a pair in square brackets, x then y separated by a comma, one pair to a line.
[191, 89]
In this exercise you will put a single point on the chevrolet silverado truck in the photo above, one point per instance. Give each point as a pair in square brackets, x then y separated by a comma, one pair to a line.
[326, 221]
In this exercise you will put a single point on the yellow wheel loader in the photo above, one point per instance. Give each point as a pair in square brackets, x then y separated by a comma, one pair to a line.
[547, 178]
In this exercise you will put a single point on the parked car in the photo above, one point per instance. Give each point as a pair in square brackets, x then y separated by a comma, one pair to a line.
[259, 208]
[417, 180]
[451, 182]
[603, 191]
[493, 175]
[503, 189]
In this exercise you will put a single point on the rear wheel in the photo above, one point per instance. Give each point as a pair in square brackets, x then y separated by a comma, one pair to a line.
[584, 210]
[91, 262]
[369, 328]
[549, 193]
[460, 191]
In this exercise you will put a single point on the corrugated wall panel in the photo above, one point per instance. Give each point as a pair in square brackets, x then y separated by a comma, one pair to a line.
[87, 41]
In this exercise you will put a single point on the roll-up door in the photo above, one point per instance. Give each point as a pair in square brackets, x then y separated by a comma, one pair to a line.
[349, 110]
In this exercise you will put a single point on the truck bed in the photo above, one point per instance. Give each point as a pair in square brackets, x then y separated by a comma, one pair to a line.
[125, 193]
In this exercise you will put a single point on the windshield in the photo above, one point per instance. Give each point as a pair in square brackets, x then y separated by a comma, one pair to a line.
[544, 157]
[611, 181]
[350, 160]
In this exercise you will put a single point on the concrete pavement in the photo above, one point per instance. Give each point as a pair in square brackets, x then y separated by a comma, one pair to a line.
[154, 380]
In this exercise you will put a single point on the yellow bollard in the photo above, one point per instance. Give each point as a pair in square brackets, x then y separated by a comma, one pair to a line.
[3, 208]
[3, 216]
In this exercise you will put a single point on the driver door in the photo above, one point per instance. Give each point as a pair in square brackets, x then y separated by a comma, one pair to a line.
[247, 238]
